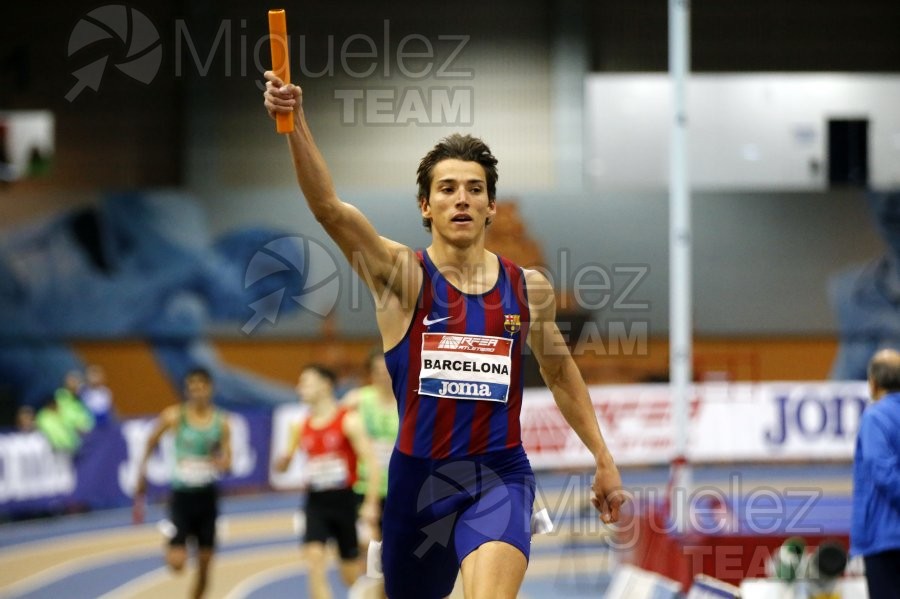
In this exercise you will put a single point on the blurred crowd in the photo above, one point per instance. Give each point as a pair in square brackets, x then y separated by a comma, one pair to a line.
[82, 401]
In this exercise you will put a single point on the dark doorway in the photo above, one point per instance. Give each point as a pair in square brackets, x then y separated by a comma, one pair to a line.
[8, 407]
[848, 152]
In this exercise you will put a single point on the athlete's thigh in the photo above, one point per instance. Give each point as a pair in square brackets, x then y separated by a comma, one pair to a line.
[502, 512]
[494, 570]
[342, 524]
[317, 525]
[418, 558]
[206, 512]
[180, 516]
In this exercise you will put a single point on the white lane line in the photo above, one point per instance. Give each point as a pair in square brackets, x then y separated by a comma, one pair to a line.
[92, 549]
[53, 574]
[267, 576]
[142, 584]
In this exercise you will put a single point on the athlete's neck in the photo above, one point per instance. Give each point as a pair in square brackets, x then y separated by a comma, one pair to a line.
[467, 269]
[444, 253]
[199, 409]
[323, 408]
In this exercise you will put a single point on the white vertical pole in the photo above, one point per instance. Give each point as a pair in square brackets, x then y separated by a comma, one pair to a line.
[680, 351]
[569, 68]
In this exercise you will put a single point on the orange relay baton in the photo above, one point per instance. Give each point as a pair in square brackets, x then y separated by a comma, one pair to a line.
[281, 64]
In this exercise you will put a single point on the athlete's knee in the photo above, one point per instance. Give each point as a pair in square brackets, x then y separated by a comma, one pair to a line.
[176, 556]
[314, 554]
[495, 570]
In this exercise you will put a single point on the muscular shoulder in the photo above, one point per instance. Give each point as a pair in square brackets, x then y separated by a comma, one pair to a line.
[537, 283]
[403, 275]
[352, 424]
[397, 249]
[170, 415]
[403, 258]
[541, 295]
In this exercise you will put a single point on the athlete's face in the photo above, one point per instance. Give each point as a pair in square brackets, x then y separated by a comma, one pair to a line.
[73, 381]
[458, 206]
[198, 389]
[312, 386]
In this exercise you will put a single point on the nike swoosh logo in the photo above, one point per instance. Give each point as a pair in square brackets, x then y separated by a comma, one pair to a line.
[428, 322]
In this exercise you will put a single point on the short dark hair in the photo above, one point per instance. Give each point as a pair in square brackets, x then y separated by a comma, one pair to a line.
[201, 372]
[460, 147]
[885, 374]
[324, 372]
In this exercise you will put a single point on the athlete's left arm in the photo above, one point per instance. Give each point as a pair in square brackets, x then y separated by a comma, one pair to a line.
[355, 431]
[570, 392]
[223, 458]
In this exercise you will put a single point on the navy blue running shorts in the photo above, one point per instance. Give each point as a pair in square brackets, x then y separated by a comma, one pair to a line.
[438, 511]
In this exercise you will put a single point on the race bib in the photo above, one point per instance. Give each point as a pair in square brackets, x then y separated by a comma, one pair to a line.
[196, 472]
[458, 366]
[326, 472]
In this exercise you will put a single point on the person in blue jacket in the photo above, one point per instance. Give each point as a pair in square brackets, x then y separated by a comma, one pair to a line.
[875, 527]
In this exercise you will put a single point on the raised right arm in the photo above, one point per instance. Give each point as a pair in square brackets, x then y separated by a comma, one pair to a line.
[383, 264]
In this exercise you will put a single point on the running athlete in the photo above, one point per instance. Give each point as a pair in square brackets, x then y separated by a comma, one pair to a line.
[202, 453]
[334, 441]
[377, 407]
[453, 320]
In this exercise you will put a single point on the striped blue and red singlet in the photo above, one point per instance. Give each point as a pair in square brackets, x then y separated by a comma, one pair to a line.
[457, 374]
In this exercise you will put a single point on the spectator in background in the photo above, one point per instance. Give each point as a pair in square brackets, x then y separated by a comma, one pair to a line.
[50, 422]
[63, 419]
[25, 419]
[875, 524]
[69, 404]
[96, 396]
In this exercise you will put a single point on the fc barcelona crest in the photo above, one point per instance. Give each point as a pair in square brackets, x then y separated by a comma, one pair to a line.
[512, 323]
